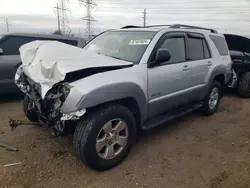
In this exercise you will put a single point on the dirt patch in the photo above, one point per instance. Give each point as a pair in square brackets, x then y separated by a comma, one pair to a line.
[195, 151]
[215, 182]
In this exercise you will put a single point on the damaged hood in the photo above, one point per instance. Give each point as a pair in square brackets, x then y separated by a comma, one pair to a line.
[48, 62]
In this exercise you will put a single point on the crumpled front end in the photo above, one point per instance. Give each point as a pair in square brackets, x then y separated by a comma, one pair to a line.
[48, 68]
[48, 109]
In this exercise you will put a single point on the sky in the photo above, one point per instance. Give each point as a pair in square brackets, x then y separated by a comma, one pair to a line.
[39, 16]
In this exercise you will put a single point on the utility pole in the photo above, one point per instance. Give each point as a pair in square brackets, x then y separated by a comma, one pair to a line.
[62, 20]
[144, 17]
[89, 19]
[7, 24]
[58, 17]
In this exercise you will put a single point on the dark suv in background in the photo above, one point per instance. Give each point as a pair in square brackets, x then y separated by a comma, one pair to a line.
[10, 57]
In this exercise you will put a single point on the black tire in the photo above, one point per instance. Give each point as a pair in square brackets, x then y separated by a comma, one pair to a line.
[87, 129]
[206, 107]
[244, 86]
[31, 114]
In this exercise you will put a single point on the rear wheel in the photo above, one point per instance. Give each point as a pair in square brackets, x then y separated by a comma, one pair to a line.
[244, 86]
[104, 138]
[28, 109]
[212, 100]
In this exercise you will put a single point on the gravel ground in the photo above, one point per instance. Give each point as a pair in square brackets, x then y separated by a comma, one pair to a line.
[196, 151]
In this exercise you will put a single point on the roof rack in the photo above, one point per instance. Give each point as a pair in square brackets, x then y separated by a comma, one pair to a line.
[172, 26]
[158, 26]
[192, 27]
[131, 26]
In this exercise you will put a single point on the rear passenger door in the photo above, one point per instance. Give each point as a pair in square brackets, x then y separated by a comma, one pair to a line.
[199, 63]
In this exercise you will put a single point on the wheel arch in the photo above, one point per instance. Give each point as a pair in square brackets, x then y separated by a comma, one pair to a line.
[128, 102]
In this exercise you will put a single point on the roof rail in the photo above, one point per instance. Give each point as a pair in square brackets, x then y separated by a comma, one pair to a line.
[131, 26]
[157, 26]
[173, 26]
[192, 27]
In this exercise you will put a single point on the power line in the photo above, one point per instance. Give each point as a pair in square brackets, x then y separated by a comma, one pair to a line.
[144, 17]
[89, 4]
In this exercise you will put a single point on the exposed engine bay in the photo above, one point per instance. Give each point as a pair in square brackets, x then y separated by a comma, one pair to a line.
[48, 110]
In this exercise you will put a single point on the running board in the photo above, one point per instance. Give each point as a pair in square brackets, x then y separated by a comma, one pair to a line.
[170, 116]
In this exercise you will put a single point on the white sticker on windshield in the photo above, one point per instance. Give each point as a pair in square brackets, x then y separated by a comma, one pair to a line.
[139, 42]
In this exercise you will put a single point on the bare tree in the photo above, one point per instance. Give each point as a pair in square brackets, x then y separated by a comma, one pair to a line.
[57, 32]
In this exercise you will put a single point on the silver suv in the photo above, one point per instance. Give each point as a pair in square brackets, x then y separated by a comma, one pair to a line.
[123, 80]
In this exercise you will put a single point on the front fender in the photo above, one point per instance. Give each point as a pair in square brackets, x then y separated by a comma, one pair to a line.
[114, 92]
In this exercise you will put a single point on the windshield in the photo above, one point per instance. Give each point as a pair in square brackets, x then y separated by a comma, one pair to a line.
[123, 45]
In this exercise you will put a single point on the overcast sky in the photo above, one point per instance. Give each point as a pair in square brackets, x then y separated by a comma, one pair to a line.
[39, 16]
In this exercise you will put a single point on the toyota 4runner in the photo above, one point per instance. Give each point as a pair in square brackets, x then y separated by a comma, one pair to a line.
[121, 81]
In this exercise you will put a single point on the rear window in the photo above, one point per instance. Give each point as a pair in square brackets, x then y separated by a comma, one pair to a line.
[220, 44]
[195, 49]
[198, 49]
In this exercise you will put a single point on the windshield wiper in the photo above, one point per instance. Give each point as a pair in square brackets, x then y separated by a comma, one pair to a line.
[111, 56]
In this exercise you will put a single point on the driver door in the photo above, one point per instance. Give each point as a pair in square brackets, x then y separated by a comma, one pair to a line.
[168, 82]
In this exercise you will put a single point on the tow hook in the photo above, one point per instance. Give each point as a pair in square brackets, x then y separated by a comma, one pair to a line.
[15, 123]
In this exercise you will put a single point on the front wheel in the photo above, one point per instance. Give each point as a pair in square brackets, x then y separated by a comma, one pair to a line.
[213, 98]
[104, 138]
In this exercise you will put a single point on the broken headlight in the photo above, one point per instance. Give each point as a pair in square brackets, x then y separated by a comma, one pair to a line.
[65, 90]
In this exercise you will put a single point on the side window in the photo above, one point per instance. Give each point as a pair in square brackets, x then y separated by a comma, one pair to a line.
[12, 44]
[206, 50]
[195, 46]
[176, 47]
[220, 44]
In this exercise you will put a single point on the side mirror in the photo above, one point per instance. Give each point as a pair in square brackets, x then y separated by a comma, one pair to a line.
[1, 51]
[162, 55]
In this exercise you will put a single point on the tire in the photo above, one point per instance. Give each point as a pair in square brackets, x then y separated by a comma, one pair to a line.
[31, 114]
[244, 86]
[211, 109]
[88, 129]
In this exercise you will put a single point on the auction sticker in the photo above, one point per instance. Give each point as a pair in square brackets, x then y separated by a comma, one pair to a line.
[139, 42]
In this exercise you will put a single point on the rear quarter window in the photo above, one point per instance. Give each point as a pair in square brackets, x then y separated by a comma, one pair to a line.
[220, 44]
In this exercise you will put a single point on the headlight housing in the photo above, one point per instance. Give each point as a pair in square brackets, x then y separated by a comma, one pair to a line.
[65, 90]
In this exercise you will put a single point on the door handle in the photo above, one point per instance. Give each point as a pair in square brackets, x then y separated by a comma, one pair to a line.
[185, 68]
[209, 63]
